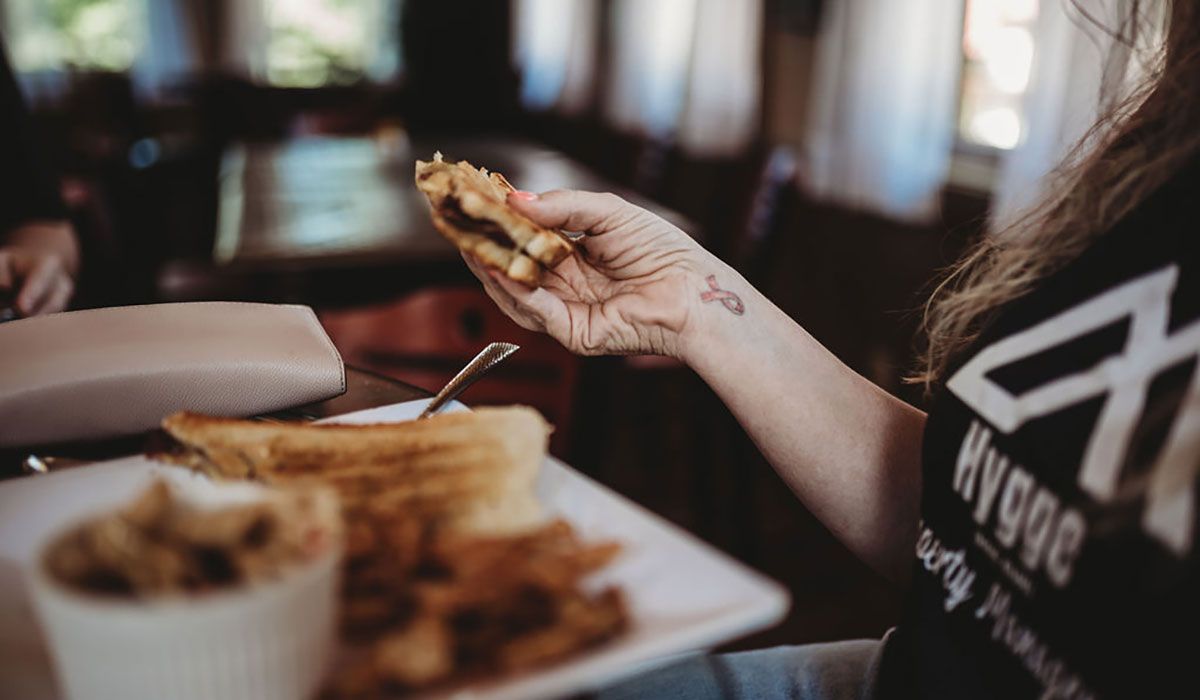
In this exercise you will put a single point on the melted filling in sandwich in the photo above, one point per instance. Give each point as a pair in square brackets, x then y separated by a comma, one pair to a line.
[470, 209]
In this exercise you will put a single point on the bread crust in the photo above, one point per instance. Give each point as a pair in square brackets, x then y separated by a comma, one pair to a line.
[472, 471]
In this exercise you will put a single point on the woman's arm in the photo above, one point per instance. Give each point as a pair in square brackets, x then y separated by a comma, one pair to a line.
[639, 285]
[848, 449]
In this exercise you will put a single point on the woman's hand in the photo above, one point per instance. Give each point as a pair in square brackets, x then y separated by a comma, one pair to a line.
[37, 265]
[631, 288]
[38, 282]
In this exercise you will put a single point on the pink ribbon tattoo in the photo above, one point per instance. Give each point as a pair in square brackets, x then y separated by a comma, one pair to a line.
[728, 299]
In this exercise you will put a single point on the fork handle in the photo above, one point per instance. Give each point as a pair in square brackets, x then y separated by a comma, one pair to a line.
[489, 357]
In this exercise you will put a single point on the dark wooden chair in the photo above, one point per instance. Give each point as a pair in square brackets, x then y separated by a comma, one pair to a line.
[774, 192]
[424, 338]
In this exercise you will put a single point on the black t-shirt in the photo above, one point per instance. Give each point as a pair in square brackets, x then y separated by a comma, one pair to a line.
[1057, 553]
[30, 188]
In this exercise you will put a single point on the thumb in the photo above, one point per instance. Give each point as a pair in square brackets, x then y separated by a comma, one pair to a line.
[574, 210]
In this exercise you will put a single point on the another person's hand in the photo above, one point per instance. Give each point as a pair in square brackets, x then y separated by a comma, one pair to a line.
[34, 281]
[632, 287]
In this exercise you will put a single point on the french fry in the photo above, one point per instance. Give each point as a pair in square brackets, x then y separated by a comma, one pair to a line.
[420, 654]
[485, 605]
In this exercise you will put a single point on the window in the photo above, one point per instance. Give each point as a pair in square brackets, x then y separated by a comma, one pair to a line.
[997, 59]
[50, 35]
[329, 42]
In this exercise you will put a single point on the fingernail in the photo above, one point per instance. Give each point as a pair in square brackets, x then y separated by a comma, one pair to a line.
[523, 195]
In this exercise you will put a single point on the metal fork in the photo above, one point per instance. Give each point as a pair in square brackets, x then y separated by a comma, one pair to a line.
[489, 357]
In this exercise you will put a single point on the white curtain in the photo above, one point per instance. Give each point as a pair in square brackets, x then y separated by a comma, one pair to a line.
[244, 39]
[555, 50]
[651, 48]
[721, 108]
[1078, 70]
[687, 70]
[170, 53]
[882, 126]
[386, 59]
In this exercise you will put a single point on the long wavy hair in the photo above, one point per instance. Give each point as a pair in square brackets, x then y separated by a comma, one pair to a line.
[1136, 146]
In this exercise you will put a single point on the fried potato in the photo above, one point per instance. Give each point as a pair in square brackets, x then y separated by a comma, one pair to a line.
[581, 621]
[420, 654]
[479, 605]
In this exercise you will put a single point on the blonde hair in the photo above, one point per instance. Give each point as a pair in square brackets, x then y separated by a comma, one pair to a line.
[1132, 150]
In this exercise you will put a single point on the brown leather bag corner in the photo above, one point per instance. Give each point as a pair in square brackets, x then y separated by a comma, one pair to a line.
[100, 373]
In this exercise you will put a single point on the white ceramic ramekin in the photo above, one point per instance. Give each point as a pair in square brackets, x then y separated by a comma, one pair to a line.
[267, 641]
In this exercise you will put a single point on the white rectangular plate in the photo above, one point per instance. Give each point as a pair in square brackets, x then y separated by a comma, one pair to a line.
[683, 594]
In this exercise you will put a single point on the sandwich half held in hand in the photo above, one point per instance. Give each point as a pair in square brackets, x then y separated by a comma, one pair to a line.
[470, 209]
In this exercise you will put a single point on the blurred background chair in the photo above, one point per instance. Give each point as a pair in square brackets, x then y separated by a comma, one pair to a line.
[426, 337]
[773, 198]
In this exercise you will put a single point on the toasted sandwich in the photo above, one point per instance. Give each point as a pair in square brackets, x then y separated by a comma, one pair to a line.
[472, 471]
[470, 209]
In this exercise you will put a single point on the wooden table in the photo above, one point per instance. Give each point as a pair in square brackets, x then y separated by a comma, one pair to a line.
[332, 200]
[363, 390]
[339, 221]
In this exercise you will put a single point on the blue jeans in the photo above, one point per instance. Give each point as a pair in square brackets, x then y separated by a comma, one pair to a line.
[829, 671]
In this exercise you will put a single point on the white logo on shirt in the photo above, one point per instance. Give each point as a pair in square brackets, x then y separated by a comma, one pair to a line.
[1125, 377]
[1027, 514]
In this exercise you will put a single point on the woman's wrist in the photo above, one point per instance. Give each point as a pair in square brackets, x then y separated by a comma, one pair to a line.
[720, 305]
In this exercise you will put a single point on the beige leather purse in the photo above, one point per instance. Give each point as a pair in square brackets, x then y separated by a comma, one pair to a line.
[107, 372]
